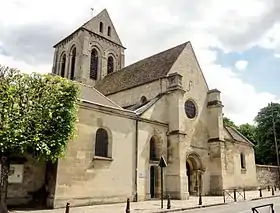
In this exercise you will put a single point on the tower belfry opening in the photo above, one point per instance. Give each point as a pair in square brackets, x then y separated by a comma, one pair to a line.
[92, 52]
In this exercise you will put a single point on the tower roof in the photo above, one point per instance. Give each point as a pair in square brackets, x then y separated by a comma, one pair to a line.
[93, 26]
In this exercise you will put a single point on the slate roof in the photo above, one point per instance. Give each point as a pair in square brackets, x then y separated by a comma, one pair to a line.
[140, 108]
[141, 72]
[236, 135]
[117, 41]
[94, 96]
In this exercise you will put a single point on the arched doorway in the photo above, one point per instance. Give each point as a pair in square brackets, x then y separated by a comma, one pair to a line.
[194, 171]
[154, 157]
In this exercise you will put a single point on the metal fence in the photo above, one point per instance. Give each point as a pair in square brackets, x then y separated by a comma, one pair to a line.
[229, 195]
[258, 209]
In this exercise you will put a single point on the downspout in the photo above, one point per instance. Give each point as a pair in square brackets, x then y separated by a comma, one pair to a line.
[136, 159]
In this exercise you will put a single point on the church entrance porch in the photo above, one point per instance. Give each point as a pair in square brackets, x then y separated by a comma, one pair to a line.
[194, 174]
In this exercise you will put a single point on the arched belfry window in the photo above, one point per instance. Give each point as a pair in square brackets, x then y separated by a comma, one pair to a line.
[101, 143]
[63, 64]
[93, 64]
[73, 61]
[110, 65]
[101, 27]
[109, 31]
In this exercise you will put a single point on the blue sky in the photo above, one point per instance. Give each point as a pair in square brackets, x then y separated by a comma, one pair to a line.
[262, 71]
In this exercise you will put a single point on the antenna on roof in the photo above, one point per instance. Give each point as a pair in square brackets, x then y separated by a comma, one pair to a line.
[92, 11]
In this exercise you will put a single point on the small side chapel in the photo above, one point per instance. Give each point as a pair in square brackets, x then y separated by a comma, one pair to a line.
[132, 115]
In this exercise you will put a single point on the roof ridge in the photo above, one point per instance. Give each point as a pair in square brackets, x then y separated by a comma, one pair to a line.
[226, 127]
[241, 135]
[148, 105]
[156, 54]
[141, 72]
[104, 10]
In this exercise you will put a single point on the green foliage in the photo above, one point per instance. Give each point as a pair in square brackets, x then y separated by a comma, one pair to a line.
[265, 149]
[229, 122]
[249, 131]
[38, 113]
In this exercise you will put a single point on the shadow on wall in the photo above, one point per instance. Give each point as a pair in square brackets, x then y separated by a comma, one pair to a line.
[37, 187]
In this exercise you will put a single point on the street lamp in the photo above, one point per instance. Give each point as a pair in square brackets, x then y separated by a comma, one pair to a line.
[276, 145]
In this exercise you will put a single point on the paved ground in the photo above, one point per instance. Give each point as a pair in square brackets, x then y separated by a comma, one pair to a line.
[241, 207]
[154, 206]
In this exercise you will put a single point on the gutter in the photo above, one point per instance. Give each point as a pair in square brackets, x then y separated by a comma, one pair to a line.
[136, 160]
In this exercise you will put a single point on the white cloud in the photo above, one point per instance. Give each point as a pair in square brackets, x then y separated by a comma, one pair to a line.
[241, 65]
[23, 66]
[242, 101]
[146, 28]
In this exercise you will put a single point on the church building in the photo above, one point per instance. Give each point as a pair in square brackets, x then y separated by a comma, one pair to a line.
[131, 116]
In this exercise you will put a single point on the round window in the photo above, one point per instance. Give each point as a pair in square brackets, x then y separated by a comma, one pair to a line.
[190, 109]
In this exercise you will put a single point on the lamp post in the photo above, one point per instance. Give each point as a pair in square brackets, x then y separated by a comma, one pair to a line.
[276, 145]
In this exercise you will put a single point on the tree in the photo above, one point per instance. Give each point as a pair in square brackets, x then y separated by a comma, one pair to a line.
[37, 117]
[229, 122]
[265, 149]
[249, 131]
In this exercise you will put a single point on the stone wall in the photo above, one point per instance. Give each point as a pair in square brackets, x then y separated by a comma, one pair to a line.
[233, 175]
[193, 137]
[146, 132]
[133, 96]
[267, 175]
[86, 179]
[33, 180]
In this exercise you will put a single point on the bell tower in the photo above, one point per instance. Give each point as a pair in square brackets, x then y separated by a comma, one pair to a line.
[91, 52]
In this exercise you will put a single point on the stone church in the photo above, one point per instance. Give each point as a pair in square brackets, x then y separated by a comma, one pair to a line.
[130, 116]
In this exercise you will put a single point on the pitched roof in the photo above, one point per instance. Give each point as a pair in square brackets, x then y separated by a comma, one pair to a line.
[103, 16]
[92, 95]
[236, 135]
[92, 28]
[140, 108]
[141, 72]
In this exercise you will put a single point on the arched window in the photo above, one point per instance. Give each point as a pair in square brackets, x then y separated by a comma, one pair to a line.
[242, 161]
[109, 31]
[110, 65]
[63, 64]
[93, 64]
[101, 143]
[153, 149]
[73, 61]
[101, 27]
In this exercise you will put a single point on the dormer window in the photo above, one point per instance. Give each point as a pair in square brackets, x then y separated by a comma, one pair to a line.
[109, 31]
[101, 27]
